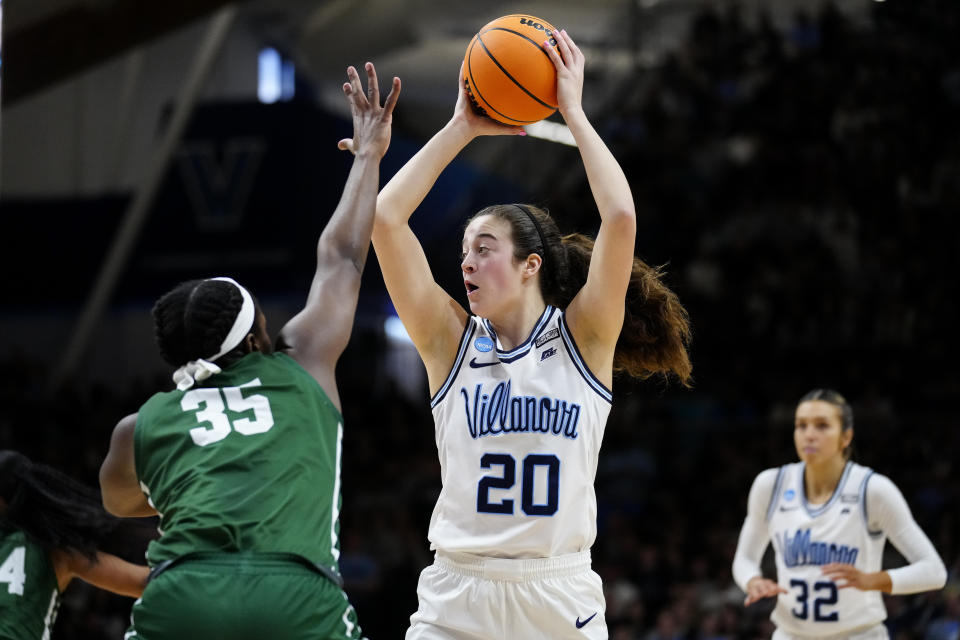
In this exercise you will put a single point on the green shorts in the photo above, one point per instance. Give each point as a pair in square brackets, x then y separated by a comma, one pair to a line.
[242, 596]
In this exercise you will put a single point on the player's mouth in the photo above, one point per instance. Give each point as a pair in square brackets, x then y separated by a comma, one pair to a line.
[471, 288]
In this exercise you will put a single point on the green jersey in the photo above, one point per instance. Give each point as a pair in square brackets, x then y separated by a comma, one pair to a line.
[246, 460]
[29, 593]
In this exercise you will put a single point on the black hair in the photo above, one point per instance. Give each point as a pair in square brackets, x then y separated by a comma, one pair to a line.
[656, 327]
[53, 509]
[192, 320]
[836, 399]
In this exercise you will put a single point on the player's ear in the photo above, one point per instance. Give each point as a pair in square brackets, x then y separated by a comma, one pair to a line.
[252, 343]
[846, 438]
[532, 265]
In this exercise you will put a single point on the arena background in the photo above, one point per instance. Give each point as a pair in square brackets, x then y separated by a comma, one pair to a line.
[796, 166]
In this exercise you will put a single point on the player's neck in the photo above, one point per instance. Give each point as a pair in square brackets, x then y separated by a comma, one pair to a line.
[820, 481]
[513, 329]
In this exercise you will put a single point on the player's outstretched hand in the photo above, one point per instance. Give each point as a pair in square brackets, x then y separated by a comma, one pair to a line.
[847, 575]
[466, 114]
[371, 121]
[759, 588]
[569, 62]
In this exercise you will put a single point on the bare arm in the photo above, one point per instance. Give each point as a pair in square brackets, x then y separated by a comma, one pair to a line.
[433, 319]
[595, 315]
[122, 495]
[317, 335]
[106, 572]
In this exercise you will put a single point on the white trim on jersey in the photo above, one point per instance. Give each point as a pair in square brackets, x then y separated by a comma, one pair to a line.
[335, 502]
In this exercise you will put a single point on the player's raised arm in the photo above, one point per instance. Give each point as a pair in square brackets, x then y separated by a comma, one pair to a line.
[596, 313]
[431, 317]
[318, 335]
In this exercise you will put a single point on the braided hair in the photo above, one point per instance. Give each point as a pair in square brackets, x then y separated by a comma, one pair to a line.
[53, 509]
[656, 327]
[191, 321]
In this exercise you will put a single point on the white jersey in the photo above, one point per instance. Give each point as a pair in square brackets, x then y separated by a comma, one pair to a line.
[806, 537]
[518, 434]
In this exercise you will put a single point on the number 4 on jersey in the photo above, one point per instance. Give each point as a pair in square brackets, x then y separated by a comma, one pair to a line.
[12, 571]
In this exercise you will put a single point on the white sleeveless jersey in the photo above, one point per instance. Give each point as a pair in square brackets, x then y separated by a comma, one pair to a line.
[805, 538]
[518, 433]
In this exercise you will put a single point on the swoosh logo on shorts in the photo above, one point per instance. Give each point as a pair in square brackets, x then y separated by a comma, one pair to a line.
[581, 625]
[477, 365]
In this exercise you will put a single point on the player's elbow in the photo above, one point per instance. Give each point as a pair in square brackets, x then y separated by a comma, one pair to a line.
[939, 574]
[111, 503]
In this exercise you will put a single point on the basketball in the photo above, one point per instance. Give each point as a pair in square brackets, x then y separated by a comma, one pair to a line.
[508, 74]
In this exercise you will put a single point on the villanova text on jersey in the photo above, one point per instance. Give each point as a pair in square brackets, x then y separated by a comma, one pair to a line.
[800, 550]
[496, 412]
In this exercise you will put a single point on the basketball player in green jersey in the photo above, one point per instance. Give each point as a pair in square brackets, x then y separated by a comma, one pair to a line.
[50, 529]
[242, 460]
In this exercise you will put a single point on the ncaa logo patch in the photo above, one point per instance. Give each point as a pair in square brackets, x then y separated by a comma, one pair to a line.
[789, 494]
[483, 344]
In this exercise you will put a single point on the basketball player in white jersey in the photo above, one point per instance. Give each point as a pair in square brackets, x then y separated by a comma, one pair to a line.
[521, 382]
[828, 519]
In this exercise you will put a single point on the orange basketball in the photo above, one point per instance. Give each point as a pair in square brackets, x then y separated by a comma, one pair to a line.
[508, 74]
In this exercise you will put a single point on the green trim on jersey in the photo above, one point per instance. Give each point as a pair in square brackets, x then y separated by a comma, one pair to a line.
[29, 592]
[246, 460]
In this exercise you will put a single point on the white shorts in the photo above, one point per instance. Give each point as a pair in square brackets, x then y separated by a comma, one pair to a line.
[468, 597]
[873, 632]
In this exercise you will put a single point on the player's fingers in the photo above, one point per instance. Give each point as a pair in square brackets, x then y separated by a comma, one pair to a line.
[346, 145]
[552, 54]
[356, 89]
[571, 45]
[373, 86]
[392, 96]
[563, 45]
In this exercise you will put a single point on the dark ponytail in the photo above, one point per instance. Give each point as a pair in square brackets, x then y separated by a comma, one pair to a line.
[656, 327]
[53, 509]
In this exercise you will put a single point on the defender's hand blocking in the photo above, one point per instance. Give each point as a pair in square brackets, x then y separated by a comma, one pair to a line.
[371, 122]
[569, 63]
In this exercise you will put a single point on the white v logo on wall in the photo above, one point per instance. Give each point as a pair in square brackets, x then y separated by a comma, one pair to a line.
[218, 177]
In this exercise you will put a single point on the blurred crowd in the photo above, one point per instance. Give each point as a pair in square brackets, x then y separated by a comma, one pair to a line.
[800, 184]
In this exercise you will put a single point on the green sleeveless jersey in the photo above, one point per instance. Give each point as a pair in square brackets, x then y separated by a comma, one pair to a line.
[29, 593]
[246, 460]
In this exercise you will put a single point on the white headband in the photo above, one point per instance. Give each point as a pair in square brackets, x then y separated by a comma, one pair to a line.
[241, 326]
[202, 368]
